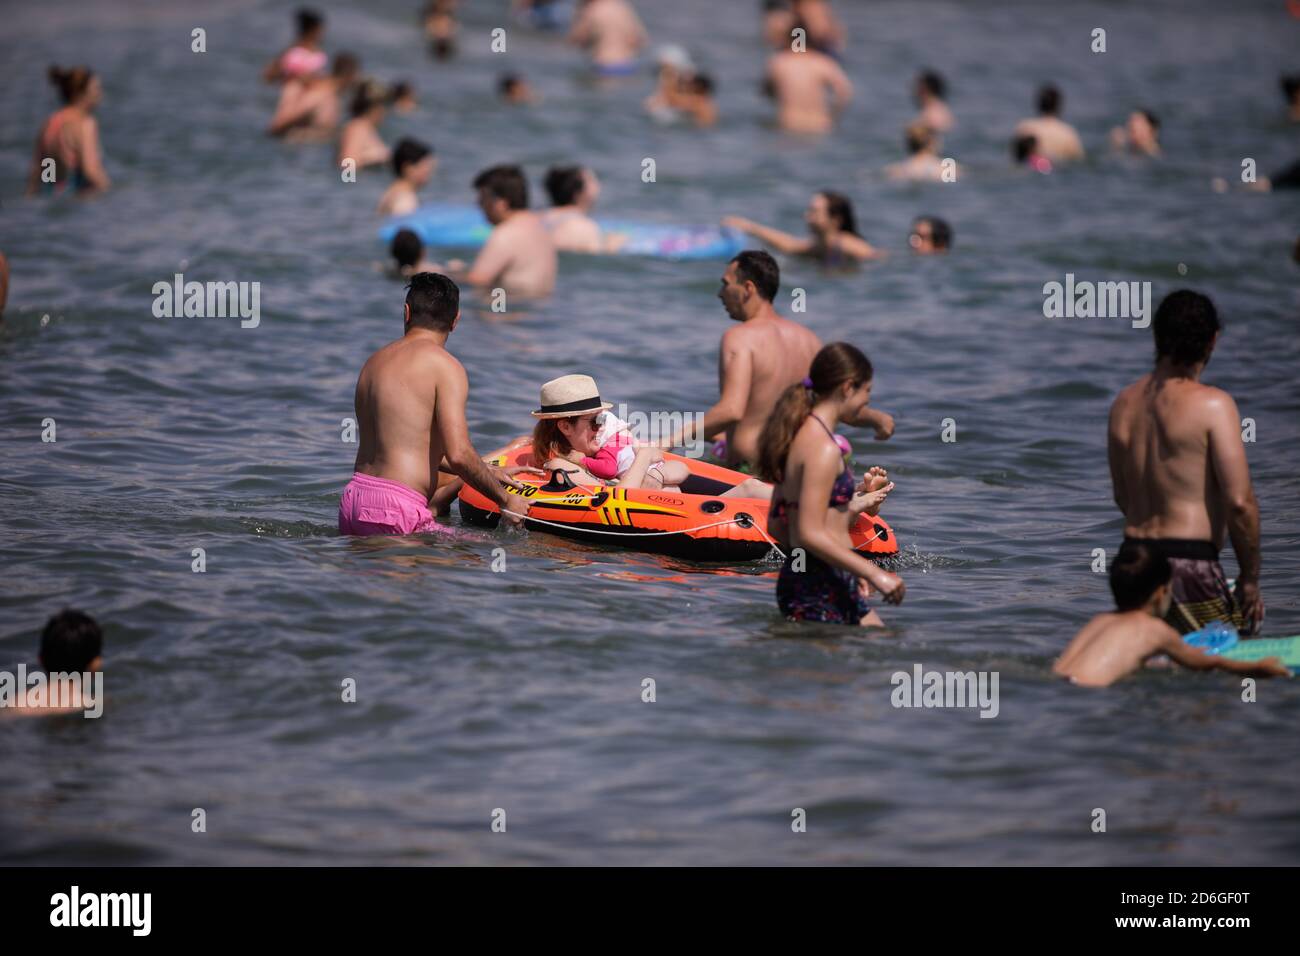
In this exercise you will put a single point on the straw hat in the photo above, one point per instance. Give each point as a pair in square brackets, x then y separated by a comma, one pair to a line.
[570, 395]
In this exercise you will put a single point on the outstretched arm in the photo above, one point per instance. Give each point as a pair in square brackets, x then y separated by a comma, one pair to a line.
[463, 460]
[1196, 659]
[780, 241]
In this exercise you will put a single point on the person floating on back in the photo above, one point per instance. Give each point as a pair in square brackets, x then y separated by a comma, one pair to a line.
[1115, 644]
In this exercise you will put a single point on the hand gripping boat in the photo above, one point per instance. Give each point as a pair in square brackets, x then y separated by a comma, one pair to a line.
[694, 523]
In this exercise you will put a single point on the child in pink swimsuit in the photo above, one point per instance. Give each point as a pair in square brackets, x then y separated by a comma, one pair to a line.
[618, 452]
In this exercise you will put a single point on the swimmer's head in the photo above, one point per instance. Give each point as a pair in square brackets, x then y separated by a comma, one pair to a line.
[840, 373]
[77, 85]
[931, 86]
[1023, 147]
[930, 235]
[71, 643]
[918, 137]
[1049, 101]
[1139, 578]
[406, 248]
[346, 68]
[1143, 129]
[565, 184]
[1186, 327]
[831, 210]
[1291, 88]
[402, 96]
[513, 88]
[370, 100]
[432, 302]
[750, 281]
[413, 160]
[311, 25]
[501, 191]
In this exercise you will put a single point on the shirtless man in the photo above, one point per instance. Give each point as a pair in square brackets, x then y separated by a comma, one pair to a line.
[930, 92]
[810, 90]
[1179, 472]
[519, 255]
[759, 359]
[822, 27]
[1057, 139]
[309, 109]
[612, 33]
[574, 190]
[410, 407]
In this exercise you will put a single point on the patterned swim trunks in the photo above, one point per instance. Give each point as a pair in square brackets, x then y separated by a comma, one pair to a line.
[1200, 588]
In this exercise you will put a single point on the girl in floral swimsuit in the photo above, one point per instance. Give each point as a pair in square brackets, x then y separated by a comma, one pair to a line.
[823, 578]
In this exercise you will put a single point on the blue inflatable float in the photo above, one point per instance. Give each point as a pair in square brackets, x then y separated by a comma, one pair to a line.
[451, 225]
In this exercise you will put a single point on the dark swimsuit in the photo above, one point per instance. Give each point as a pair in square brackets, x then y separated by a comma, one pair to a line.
[819, 592]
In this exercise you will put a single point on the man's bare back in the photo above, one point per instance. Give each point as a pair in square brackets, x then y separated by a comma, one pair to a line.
[810, 88]
[780, 353]
[519, 256]
[611, 30]
[1057, 139]
[1160, 455]
[396, 406]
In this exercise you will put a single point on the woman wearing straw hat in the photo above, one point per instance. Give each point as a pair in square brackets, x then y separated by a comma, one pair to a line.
[576, 434]
[569, 437]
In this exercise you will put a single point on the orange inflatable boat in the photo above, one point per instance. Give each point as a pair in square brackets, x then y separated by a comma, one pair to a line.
[694, 523]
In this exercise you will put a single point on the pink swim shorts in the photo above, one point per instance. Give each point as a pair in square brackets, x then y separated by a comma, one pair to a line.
[371, 505]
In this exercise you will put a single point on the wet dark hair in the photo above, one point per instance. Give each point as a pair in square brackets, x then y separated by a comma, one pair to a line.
[841, 208]
[407, 152]
[434, 300]
[367, 97]
[933, 83]
[834, 365]
[1151, 118]
[71, 82]
[507, 82]
[406, 248]
[505, 182]
[1185, 326]
[443, 48]
[400, 89]
[701, 83]
[564, 183]
[940, 231]
[758, 267]
[70, 641]
[1291, 86]
[1049, 100]
[1022, 147]
[346, 64]
[1135, 574]
[308, 20]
